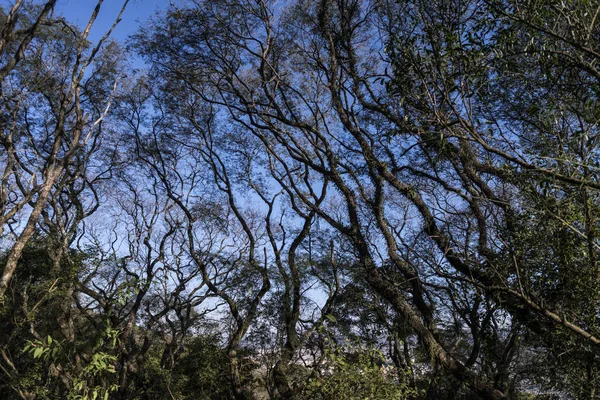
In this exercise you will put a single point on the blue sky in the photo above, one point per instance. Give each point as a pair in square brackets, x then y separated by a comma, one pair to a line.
[137, 12]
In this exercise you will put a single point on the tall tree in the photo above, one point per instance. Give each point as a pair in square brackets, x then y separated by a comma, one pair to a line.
[53, 113]
[408, 110]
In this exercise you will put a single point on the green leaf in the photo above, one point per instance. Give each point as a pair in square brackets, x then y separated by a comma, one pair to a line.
[38, 352]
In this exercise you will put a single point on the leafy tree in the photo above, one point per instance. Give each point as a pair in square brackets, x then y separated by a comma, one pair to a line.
[359, 199]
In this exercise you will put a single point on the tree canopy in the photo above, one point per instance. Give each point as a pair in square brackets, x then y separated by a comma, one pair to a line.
[332, 199]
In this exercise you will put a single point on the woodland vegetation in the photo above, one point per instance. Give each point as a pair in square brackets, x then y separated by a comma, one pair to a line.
[326, 199]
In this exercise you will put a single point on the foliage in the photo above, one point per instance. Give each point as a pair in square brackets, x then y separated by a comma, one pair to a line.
[355, 372]
[417, 179]
[201, 372]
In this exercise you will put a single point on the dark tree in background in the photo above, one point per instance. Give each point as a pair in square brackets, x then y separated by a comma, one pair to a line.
[303, 200]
